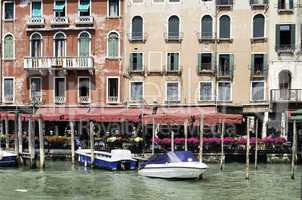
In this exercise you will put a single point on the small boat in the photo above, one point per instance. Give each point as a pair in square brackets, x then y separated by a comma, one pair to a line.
[173, 165]
[7, 159]
[118, 159]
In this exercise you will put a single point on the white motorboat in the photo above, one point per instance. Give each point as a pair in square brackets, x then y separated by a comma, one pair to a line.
[173, 165]
[7, 159]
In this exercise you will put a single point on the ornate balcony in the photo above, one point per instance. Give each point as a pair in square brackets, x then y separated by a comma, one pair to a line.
[59, 100]
[59, 21]
[68, 63]
[174, 37]
[112, 99]
[84, 99]
[137, 37]
[35, 21]
[8, 99]
[84, 20]
[286, 95]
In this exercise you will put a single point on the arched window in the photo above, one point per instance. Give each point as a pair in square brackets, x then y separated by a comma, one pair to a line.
[224, 27]
[137, 28]
[285, 81]
[173, 27]
[258, 26]
[84, 44]
[60, 45]
[206, 27]
[8, 46]
[36, 45]
[113, 45]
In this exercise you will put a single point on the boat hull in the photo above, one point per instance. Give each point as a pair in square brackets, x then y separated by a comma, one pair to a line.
[8, 161]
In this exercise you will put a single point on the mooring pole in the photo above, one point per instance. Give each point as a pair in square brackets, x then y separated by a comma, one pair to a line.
[41, 142]
[6, 134]
[71, 124]
[91, 131]
[20, 137]
[256, 143]
[201, 125]
[172, 140]
[16, 137]
[186, 134]
[222, 145]
[247, 150]
[153, 135]
[31, 143]
[294, 149]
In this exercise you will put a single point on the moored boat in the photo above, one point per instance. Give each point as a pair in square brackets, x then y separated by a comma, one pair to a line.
[7, 159]
[173, 165]
[118, 159]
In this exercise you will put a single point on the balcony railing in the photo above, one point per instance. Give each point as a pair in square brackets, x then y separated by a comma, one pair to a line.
[84, 20]
[258, 3]
[285, 48]
[8, 99]
[225, 72]
[35, 21]
[59, 21]
[137, 37]
[224, 3]
[59, 100]
[286, 95]
[259, 72]
[174, 37]
[81, 63]
[136, 69]
[113, 99]
[205, 37]
[84, 99]
[205, 68]
[37, 98]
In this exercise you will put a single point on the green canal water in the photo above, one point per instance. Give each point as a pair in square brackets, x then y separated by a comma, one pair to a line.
[61, 181]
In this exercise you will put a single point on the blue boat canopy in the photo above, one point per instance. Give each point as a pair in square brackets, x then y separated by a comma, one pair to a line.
[59, 6]
[84, 6]
[170, 157]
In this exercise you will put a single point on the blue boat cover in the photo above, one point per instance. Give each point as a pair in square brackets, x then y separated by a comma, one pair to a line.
[170, 157]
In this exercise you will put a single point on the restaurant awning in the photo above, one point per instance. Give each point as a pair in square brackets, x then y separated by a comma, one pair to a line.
[7, 115]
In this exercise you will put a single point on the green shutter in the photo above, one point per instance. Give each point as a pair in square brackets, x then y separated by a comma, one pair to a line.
[213, 60]
[293, 36]
[84, 47]
[169, 61]
[231, 64]
[265, 65]
[8, 47]
[277, 36]
[199, 65]
[140, 61]
[131, 61]
[176, 67]
[252, 62]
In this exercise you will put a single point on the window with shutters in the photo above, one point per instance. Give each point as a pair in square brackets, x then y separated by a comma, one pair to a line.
[225, 65]
[60, 44]
[8, 50]
[285, 5]
[224, 27]
[172, 92]
[224, 91]
[258, 65]
[206, 91]
[285, 37]
[60, 88]
[84, 44]
[60, 8]
[258, 26]
[205, 62]
[136, 91]
[206, 27]
[113, 89]
[136, 62]
[173, 62]
[113, 8]
[36, 45]
[8, 90]
[84, 8]
[84, 90]
[257, 91]
[36, 89]
[113, 45]
[173, 29]
[8, 10]
[137, 29]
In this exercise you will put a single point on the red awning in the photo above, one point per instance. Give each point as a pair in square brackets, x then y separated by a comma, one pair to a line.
[7, 115]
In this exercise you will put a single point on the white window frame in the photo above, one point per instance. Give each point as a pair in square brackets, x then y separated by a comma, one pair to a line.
[213, 24]
[180, 23]
[231, 91]
[78, 88]
[14, 87]
[30, 43]
[199, 87]
[14, 47]
[119, 45]
[54, 43]
[143, 25]
[90, 7]
[143, 58]
[231, 27]
[251, 91]
[90, 39]
[66, 5]
[179, 90]
[41, 87]
[3, 11]
[179, 61]
[130, 89]
[252, 25]
[119, 10]
[118, 86]
[31, 8]
[54, 89]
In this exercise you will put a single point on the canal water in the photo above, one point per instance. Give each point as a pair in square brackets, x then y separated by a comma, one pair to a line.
[61, 181]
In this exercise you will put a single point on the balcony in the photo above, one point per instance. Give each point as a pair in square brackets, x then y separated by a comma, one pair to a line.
[37, 98]
[69, 63]
[285, 49]
[224, 4]
[204, 37]
[205, 68]
[173, 69]
[8, 99]
[35, 21]
[84, 99]
[225, 72]
[59, 100]
[173, 37]
[286, 95]
[136, 69]
[84, 20]
[59, 21]
[258, 4]
[112, 99]
[286, 8]
[259, 72]
[137, 37]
